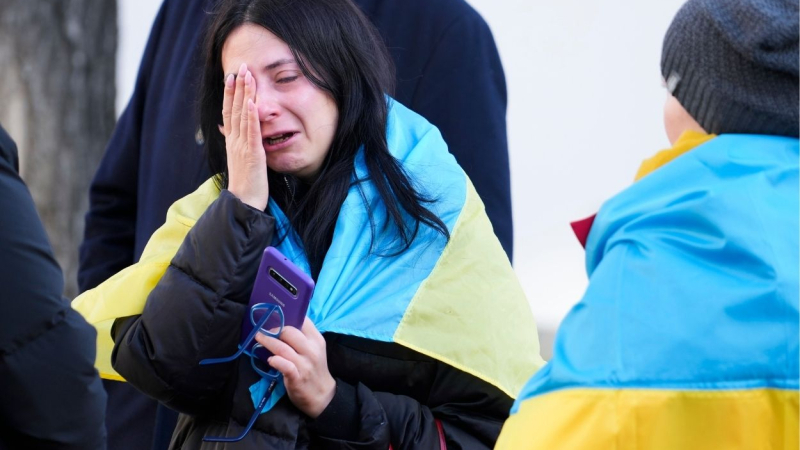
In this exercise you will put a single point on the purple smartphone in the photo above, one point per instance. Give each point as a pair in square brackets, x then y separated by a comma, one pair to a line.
[278, 282]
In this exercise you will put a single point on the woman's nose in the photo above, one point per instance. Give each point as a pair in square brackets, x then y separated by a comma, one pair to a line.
[266, 105]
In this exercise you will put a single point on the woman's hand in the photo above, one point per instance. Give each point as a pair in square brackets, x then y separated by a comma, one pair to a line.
[247, 161]
[300, 356]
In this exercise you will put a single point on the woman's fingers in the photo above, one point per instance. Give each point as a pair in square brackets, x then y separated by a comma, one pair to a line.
[293, 346]
[285, 367]
[310, 330]
[277, 347]
[247, 165]
[249, 94]
[238, 101]
[227, 104]
[303, 362]
[297, 340]
[242, 131]
[253, 130]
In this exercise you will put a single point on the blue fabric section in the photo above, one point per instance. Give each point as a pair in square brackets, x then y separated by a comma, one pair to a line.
[257, 391]
[366, 294]
[363, 293]
[693, 278]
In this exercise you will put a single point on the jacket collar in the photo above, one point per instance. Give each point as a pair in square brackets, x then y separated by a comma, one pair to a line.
[687, 141]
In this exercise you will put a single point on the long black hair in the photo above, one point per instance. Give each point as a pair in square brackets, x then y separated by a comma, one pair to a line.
[340, 52]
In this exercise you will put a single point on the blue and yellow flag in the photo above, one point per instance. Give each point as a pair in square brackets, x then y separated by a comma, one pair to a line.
[687, 335]
[458, 301]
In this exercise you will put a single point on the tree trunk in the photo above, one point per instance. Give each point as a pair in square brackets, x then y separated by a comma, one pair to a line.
[57, 88]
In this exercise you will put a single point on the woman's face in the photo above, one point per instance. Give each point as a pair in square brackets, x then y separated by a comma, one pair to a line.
[298, 120]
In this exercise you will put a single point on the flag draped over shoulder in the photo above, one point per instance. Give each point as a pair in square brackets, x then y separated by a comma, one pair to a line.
[687, 336]
[458, 301]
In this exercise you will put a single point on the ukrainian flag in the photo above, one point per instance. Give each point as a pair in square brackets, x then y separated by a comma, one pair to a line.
[458, 301]
[687, 336]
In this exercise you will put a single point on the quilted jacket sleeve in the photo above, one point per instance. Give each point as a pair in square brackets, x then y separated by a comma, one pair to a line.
[195, 311]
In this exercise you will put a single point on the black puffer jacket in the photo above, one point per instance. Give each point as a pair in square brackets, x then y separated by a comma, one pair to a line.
[386, 394]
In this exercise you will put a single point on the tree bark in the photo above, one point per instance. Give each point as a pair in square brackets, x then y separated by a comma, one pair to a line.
[57, 85]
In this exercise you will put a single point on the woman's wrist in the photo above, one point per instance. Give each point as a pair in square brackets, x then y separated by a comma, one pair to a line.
[340, 417]
[256, 202]
[328, 394]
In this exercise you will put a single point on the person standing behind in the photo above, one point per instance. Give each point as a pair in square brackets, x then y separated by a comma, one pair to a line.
[448, 70]
[51, 394]
[687, 335]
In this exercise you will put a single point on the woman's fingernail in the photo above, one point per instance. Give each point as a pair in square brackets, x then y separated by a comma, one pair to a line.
[229, 80]
[248, 78]
[242, 69]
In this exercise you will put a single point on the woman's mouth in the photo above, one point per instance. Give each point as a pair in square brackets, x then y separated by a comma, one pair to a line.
[279, 138]
[278, 141]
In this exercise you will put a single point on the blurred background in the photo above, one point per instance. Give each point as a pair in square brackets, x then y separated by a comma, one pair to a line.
[585, 107]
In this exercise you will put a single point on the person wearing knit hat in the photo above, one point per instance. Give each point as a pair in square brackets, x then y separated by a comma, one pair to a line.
[687, 335]
[733, 65]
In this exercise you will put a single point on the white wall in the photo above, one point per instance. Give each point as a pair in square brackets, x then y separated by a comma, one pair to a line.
[585, 107]
[585, 102]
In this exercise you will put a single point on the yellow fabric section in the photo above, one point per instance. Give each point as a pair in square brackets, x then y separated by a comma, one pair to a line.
[486, 297]
[125, 293]
[466, 299]
[687, 141]
[655, 420]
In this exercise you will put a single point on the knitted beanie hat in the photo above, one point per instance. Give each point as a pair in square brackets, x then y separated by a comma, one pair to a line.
[733, 65]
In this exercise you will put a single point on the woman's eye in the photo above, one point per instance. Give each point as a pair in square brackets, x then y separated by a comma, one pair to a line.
[285, 80]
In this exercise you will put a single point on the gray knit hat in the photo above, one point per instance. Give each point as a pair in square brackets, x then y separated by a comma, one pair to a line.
[733, 64]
